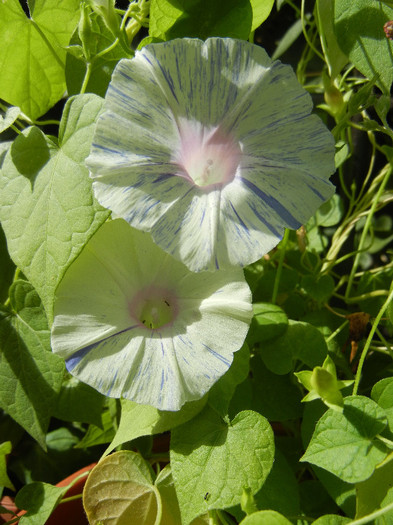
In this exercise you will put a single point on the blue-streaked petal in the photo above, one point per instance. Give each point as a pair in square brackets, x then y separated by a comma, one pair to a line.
[188, 231]
[210, 146]
[100, 330]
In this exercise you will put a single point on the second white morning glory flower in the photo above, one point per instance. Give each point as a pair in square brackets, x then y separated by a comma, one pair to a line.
[133, 322]
[210, 147]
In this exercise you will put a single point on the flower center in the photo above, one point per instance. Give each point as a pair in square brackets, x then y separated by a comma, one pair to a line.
[207, 156]
[154, 307]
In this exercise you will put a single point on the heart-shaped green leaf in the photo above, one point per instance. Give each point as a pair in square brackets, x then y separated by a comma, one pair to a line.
[32, 54]
[120, 490]
[47, 209]
[344, 444]
[30, 373]
[359, 28]
[221, 459]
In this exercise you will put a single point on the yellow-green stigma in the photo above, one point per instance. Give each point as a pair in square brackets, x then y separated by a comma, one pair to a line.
[156, 313]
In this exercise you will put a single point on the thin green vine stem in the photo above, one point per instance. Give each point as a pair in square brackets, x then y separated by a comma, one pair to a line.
[311, 45]
[369, 339]
[159, 506]
[46, 122]
[388, 346]
[283, 247]
[362, 297]
[107, 49]
[14, 128]
[294, 7]
[365, 231]
[71, 498]
[371, 517]
[89, 69]
[387, 442]
[371, 165]
[337, 331]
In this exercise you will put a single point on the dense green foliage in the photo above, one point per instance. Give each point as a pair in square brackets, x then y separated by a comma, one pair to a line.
[300, 429]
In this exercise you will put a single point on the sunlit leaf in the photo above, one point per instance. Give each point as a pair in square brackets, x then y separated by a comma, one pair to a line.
[142, 420]
[47, 208]
[210, 455]
[300, 341]
[203, 18]
[370, 493]
[260, 11]
[33, 65]
[344, 444]
[39, 499]
[30, 374]
[358, 26]
[120, 490]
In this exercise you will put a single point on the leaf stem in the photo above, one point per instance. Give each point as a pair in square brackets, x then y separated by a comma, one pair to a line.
[369, 339]
[371, 517]
[89, 68]
[159, 505]
[283, 246]
[46, 122]
[107, 49]
[71, 498]
[386, 441]
[337, 331]
[311, 45]
[366, 228]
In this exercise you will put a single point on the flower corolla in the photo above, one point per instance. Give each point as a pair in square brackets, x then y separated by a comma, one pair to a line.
[133, 322]
[212, 148]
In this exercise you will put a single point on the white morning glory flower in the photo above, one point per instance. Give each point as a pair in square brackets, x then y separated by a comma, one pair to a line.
[210, 147]
[133, 322]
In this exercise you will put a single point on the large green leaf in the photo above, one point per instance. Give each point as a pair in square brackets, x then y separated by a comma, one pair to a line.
[202, 18]
[99, 435]
[120, 490]
[275, 396]
[221, 458]
[30, 373]
[269, 321]
[359, 30]
[260, 11]
[300, 341]
[281, 480]
[382, 393]
[144, 420]
[78, 402]
[222, 392]
[32, 54]
[39, 499]
[170, 505]
[47, 208]
[344, 443]
[371, 493]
